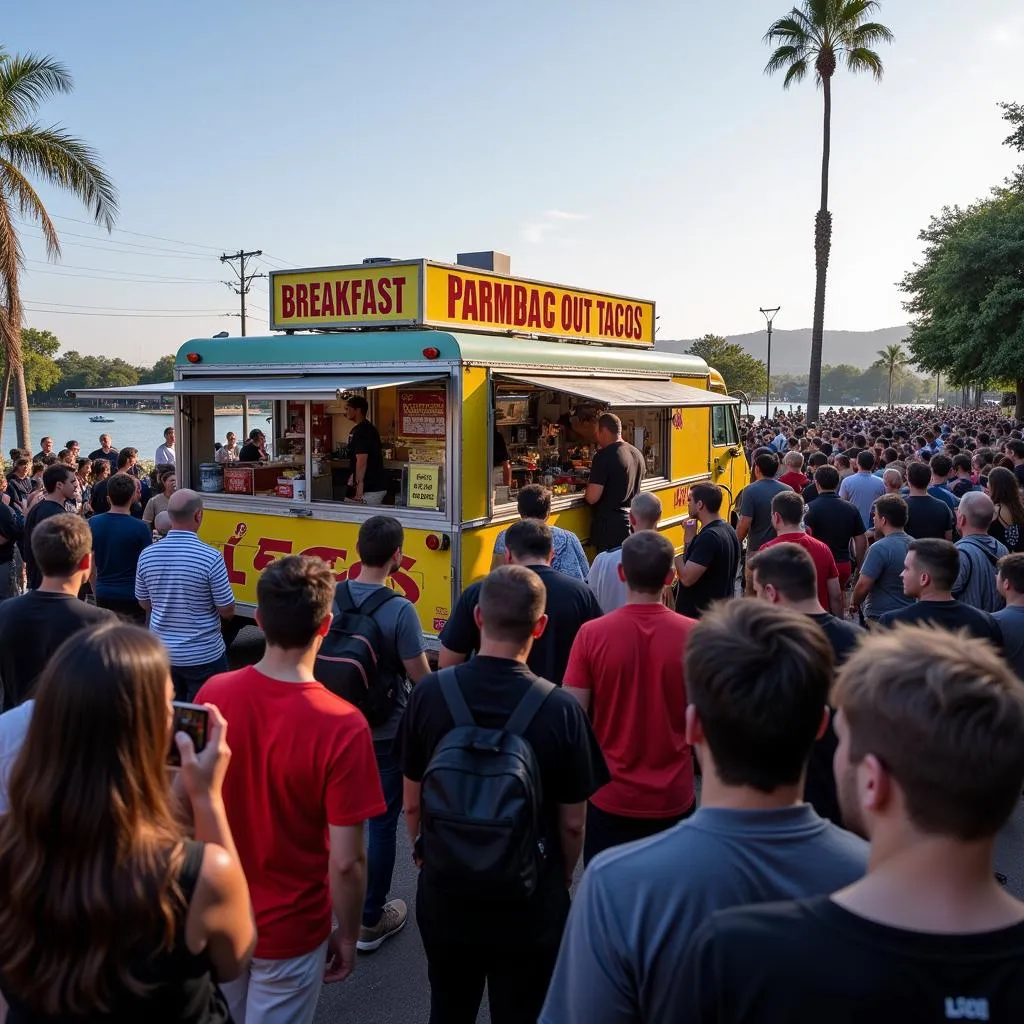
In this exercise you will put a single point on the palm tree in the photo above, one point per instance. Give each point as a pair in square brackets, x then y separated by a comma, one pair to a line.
[892, 358]
[29, 149]
[819, 34]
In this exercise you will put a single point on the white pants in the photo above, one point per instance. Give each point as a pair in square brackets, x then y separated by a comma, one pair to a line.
[374, 497]
[278, 991]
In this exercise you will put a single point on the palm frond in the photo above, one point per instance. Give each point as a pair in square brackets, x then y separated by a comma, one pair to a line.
[26, 80]
[10, 265]
[784, 57]
[852, 12]
[796, 73]
[30, 206]
[790, 30]
[870, 34]
[863, 59]
[66, 162]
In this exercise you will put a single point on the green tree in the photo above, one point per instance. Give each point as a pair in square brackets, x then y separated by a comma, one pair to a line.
[39, 353]
[52, 156]
[816, 36]
[967, 295]
[161, 371]
[892, 358]
[741, 370]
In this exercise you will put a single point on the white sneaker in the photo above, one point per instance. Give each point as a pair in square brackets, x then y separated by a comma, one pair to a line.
[391, 922]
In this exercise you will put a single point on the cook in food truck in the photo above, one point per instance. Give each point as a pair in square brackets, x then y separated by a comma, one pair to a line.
[433, 392]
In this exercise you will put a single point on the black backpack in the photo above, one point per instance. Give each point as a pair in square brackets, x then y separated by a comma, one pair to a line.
[350, 659]
[481, 802]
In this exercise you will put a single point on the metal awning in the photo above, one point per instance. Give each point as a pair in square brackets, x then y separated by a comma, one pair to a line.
[311, 388]
[621, 392]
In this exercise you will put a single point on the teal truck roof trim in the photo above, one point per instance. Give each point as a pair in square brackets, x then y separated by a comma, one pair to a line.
[371, 347]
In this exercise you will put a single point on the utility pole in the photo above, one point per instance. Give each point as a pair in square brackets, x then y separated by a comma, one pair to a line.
[769, 315]
[241, 290]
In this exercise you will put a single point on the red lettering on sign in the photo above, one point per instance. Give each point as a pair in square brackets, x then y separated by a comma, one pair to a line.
[486, 302]
[533, 317]
[287, 301]
[330, 555]
[369, 297]
[356, 291]
[302, 300]
[549, 310]
[267, 550]
[399, 283]
[454, 293]
[469, 306]
[588, 305]
[681, 497]
[235, 576]
[384, 303]
[327, 300]
[314, 299]
[341, 303]
[503, 303]
[518, 305]
[406, 584]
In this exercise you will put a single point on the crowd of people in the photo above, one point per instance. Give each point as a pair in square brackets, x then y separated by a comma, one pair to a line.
[780, 757]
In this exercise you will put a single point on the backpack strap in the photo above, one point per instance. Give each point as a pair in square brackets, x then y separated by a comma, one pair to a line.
[448, 681]
[344, 602]
[526, 710]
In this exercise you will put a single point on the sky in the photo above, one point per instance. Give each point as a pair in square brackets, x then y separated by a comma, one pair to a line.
[633, 148]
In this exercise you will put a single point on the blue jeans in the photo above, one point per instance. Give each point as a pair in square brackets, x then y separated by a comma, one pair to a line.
[382, 834]
[188, 679]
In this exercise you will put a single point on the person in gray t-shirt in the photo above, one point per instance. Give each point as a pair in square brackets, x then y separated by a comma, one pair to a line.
[404, 656]
[752, 841]
[879, 588]
[755, 520]
[1010, 582]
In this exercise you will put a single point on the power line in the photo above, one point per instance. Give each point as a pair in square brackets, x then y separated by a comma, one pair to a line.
[124, 309]
[244, 280]
[159, 282]
[284, 263]
[144, 316]
[58, 268]
[142, 234]
[132, 252]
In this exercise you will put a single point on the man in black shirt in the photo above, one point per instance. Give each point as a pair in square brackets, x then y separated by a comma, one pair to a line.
[19, 481]
[254, 448]
[367, 480]
[836, 523]
[106, 451]
[929, 573]
[511, 945]
[570, 603]
[928, 934]
[927, 516]
[814, 463]
[59, 486]
[34, 625]
[615, 475]
[784, 574]
[710, 560]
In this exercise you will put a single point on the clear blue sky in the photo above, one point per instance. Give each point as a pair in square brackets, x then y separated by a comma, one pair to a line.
[635, 148]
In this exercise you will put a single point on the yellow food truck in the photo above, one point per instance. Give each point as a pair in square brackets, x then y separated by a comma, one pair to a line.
[453, 363]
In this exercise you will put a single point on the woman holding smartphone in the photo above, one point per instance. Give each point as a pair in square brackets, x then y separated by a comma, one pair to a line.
[107, 911]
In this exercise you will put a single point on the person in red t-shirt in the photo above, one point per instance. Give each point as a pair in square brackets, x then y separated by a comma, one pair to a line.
[787, 515]
[794, 475]
[302, 781]
[626, 669]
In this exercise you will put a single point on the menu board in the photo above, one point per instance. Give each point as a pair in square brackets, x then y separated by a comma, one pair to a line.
[422, 413]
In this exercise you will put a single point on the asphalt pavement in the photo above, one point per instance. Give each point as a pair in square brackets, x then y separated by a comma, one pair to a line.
[391, 984]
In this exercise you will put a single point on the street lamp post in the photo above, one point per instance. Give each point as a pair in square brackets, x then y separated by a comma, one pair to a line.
[769, 315]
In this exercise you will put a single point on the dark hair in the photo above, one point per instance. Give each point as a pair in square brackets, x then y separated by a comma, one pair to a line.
[816, 459]
[1004, 490]
[1011, 568]
[759, 677]
[939, 558]
[962, 463]
[941, 465]
[60, 543]
[866, 459]
[121, 489]
[54, 476]
[534, 502]
[529, 539]
[767, 464]
[843, 461]
[70, 444]
[22, 461]
[893, 509]
[647, 559]
[949, 730]
[512, 600]
[124, 456]
[1016, 447]
[610, 422]
[790, 506]
[98, 465]
[709, 495]
[789, 569]
[379, 538]
[358, 402]
[49, 460]
[919, 475]
[827, 478]
[96, 814]
[294, 595]
[256, 432]
[167, 430]
[83, 464]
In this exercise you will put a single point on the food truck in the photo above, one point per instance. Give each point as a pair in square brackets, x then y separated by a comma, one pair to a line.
[449, 358]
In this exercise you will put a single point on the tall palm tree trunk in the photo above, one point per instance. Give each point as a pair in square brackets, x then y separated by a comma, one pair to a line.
[822, 250]
[5, 392]
[890, 385]
[1019, 411]
[21, 415]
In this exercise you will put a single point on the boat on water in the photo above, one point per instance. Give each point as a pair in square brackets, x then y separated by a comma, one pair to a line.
[100, 419]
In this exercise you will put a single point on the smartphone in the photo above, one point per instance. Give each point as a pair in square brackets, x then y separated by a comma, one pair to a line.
[193, 719]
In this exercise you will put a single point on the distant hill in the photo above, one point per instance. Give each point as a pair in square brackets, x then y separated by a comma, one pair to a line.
[791, 349]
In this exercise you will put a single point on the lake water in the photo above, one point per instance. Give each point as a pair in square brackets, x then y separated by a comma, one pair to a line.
[144, 431]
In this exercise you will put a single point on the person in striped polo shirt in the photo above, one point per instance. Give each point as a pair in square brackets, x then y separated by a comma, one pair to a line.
[183, 584]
